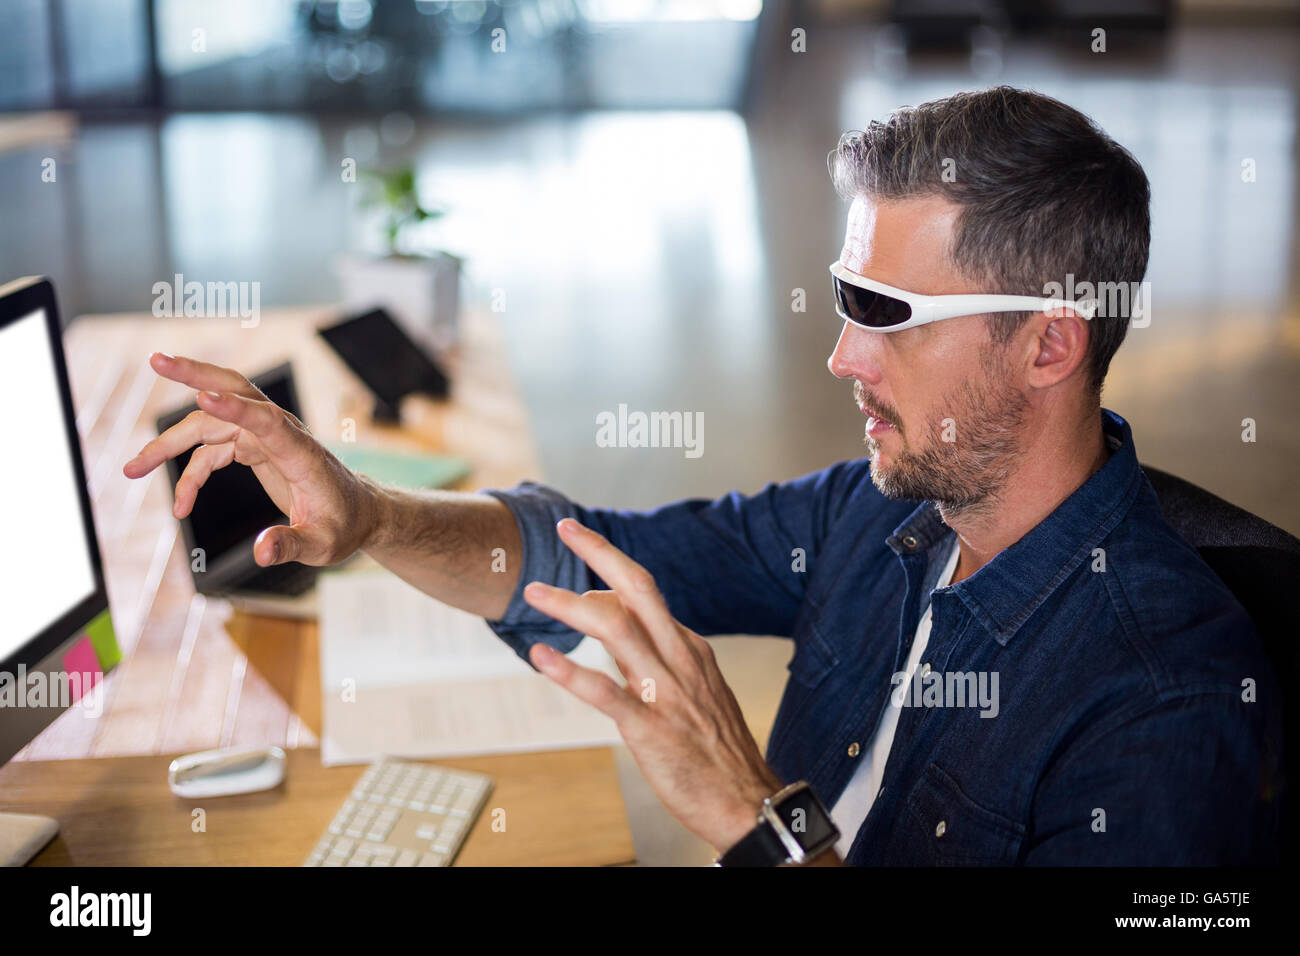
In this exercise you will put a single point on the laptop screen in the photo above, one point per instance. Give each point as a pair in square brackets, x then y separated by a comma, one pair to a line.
[231, 508]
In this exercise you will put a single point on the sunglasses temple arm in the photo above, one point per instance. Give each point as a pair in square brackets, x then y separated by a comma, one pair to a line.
[976, 305]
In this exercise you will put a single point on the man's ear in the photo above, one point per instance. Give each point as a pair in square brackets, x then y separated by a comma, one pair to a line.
[1060, 346]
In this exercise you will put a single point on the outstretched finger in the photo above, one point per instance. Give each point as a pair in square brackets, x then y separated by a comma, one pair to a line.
[196, 428]
[605, 620]
[634, 585]
[597, 689]
[202, 376]
[205, 460]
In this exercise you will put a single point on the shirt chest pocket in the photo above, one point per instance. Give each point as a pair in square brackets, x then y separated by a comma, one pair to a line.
[950, 829]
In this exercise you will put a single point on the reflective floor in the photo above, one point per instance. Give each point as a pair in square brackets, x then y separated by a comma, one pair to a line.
[650, 259]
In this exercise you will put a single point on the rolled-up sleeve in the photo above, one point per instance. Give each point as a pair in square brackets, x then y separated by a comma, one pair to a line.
[537, 510]
[723, 566]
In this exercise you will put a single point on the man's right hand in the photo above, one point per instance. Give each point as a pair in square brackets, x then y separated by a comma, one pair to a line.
[332, 512]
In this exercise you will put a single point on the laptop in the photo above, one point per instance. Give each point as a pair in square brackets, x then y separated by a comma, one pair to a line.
[230, 512]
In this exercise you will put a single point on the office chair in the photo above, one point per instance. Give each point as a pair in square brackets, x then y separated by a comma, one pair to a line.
[1260, 564]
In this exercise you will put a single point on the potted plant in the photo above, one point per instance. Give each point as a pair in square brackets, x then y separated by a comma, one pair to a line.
[418, 285]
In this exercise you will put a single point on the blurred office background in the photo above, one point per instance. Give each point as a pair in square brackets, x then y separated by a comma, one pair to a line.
[645, 182]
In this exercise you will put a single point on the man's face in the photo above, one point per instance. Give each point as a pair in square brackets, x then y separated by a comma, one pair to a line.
[953, 399]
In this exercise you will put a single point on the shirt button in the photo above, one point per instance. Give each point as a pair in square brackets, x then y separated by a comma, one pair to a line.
[925, 669]
[854, 749]
[941, 829]
[909, 541]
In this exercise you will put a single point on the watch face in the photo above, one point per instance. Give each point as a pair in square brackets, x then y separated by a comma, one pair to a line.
[804, 821]
[809, 823]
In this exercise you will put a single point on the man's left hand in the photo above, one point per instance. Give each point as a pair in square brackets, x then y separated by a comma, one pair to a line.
[676, 714]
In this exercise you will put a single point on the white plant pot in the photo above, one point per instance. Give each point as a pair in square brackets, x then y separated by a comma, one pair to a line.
[421, 293]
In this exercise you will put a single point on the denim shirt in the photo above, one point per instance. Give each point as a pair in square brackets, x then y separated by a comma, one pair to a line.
[1130, 715]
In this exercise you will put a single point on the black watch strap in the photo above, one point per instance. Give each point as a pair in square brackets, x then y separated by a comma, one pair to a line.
[759, 847]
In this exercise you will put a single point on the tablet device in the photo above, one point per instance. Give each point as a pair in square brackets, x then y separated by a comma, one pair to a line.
[386, 359]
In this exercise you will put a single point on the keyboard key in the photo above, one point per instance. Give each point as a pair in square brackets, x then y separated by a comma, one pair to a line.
[406, 858]
[464, 804]
[432, 859]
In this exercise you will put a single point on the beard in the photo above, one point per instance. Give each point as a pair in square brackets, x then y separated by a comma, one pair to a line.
[966, 474]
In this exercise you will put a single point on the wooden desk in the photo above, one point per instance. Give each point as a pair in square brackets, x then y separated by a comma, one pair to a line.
[196, 675]
[561, 808]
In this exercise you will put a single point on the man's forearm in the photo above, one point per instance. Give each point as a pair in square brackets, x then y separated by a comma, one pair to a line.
[446, 544]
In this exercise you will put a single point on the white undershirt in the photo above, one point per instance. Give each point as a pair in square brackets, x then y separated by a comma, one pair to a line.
[855, 802]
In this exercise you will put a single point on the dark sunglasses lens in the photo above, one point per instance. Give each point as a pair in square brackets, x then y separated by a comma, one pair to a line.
[872, 309]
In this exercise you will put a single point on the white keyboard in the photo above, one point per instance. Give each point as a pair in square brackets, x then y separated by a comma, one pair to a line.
[403, 814]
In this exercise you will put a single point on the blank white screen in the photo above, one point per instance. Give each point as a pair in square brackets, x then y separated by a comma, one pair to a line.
[44, 567]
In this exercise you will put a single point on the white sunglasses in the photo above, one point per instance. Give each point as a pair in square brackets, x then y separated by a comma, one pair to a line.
[882, 308]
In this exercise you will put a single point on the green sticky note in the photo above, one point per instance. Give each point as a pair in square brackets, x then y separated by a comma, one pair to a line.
[407, 469]
[104, 640]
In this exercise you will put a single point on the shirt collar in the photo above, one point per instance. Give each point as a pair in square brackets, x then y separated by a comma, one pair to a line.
[1006, 591]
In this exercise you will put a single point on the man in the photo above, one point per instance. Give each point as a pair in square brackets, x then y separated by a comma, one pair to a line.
[1002, 653]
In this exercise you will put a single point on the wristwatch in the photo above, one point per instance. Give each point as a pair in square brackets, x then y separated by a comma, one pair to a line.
[793, 827]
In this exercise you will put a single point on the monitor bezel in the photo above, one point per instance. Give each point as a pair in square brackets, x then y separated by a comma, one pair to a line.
[18, 300]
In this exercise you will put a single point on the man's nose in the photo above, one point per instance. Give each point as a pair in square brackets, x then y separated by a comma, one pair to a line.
[853, 356]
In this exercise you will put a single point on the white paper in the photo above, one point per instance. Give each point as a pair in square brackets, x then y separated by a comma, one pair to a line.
[405, 675]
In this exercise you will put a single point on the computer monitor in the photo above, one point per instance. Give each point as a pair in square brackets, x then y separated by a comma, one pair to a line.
[56, 635]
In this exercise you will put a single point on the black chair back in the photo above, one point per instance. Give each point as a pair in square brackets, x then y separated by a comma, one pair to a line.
[1260, 564]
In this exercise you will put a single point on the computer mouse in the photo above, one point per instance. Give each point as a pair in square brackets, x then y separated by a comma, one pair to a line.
[221, 773]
